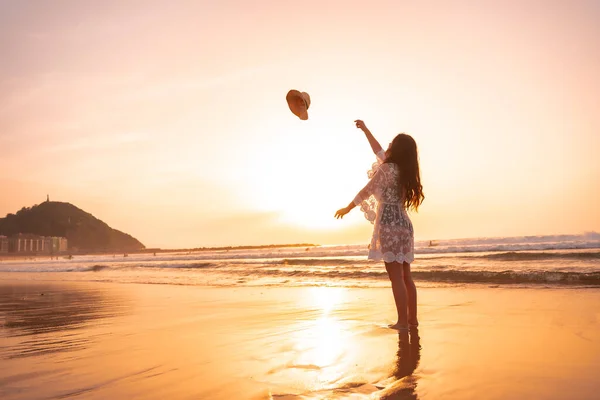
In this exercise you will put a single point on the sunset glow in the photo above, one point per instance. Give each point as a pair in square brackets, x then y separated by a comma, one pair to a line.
[168, 121]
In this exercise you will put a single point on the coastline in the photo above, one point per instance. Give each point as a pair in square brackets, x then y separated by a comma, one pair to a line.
[31, 256]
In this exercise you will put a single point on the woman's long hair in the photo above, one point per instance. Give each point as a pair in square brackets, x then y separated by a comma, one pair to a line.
[403, 152]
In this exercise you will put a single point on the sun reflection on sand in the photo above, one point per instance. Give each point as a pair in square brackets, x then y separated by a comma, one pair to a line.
[326, 298]
[322, 342]
[335, 355]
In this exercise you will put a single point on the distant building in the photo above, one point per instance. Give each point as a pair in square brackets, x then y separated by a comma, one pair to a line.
[3, 244]
[61, 244]
[28, 243]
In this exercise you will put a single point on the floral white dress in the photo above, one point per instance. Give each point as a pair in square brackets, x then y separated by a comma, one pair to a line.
[381, 202]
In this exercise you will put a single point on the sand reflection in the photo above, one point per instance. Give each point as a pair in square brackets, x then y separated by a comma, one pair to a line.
[408, 355]
[323, 341]
[45, 318]
[404, 383]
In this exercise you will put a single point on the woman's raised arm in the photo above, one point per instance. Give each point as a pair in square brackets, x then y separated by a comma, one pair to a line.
[375, 146]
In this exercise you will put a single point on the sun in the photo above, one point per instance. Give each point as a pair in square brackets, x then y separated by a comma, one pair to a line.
[308, 170]
[306, 206]
[305, 174]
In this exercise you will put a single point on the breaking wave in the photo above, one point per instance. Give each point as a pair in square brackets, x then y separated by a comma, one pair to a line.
[454, 276]
[319, 261]
[525, 256]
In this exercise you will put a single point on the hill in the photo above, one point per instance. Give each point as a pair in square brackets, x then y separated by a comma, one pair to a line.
[83, 231]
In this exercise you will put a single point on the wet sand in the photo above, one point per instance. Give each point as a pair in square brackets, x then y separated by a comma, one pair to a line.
[123, 341]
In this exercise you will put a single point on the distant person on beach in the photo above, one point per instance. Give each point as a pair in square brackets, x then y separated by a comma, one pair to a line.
[394, 187]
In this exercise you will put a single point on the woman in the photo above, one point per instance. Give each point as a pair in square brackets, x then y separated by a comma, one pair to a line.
[395, 187]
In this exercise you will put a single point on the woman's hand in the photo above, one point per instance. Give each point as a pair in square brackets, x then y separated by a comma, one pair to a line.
[375, 146]
[341, 212]
[361, 125]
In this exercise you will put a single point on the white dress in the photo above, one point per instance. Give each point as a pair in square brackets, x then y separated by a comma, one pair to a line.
[381, 202]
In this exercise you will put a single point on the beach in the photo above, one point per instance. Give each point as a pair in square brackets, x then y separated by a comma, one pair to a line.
[213, 200]
[96, 340]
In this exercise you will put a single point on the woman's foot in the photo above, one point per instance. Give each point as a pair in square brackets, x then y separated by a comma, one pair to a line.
[399, 327]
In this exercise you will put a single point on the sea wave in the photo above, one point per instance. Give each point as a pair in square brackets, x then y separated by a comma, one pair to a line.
[288, 274]
[525, 256]
[504, 247]
[500, 256]
[319, 261]
[453, 276]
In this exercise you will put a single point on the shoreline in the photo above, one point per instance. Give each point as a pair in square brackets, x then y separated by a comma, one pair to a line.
[8, 255]
[306, 247]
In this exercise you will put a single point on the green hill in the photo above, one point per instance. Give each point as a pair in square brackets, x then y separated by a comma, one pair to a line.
[83, 231]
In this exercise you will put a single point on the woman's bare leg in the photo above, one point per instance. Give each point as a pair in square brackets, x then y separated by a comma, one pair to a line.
[411, 294]
[396, 273]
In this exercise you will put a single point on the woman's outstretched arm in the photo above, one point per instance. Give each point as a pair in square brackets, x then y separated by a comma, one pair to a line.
[374, 184]
[343, 211]
[375, 146]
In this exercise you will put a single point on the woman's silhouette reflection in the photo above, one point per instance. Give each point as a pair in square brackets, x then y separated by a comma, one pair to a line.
[409, 353]
[407, 360]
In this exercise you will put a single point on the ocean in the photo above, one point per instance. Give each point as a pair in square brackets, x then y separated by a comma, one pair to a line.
[541, 261]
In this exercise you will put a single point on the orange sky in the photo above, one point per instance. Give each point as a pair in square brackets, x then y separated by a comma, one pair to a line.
[168, 120]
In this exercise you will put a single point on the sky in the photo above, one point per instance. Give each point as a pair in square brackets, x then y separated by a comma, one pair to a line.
[168, 120]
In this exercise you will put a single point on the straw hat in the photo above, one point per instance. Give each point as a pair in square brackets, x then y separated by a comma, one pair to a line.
[299, 102]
